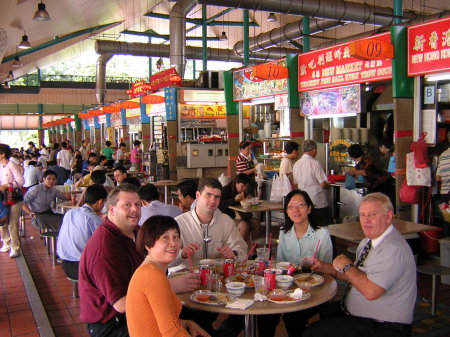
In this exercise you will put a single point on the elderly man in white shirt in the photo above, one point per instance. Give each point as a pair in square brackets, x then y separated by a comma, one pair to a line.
[206, 221]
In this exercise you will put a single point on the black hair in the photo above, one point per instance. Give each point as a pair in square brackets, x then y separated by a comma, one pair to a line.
[32, 163]
[122, 144]
[288, 223]
[290, 147]
[98, 177]
[148, 193]
[355, 151]
[132, 181]
[136, 143]
[242, 178]
[386, 142]
[210, 182]
[101, 158]
[151, 231]
[188, 188]
[64, 145]
[95, 193]
[6, 150]
[51, 163]
[49, 172]
[56, 146]
[92, 154]
[108, 143]
[120, 168]
[244, 144]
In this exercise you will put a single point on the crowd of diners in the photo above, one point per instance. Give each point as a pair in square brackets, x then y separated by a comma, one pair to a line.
[121, 240]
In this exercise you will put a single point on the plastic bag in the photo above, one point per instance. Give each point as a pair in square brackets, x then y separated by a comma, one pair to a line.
[420, 149]
[409, 194]
[280, 187]
[416, 176]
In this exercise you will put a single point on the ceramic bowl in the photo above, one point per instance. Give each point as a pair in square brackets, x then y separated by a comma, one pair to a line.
[235, 288]
[284, 281]
[245, 203]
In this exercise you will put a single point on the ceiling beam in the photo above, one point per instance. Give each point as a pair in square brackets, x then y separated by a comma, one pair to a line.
[198, 22]
[166, 36]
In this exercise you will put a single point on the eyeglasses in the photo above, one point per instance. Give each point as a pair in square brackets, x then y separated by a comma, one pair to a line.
[298, 206]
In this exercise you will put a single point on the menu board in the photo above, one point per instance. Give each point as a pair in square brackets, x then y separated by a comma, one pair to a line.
[334, 66]
[331, 101]
[246, 86]
[429, 47]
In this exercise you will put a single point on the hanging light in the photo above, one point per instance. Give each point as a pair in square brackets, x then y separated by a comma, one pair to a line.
[10, 76]
[24, 44]
[41, 14]
[16, 63]
[223, 37]
[271, 18]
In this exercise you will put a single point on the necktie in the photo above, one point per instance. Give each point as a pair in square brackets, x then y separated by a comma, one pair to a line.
[359, 263]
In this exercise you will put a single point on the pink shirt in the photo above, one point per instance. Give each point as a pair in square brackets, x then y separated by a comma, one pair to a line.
[11, 173]
[133, 154]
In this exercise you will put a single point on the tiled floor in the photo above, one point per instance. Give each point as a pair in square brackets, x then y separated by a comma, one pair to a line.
[16, 318]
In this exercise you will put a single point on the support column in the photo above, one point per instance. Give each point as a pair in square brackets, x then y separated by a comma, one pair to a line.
[403, 102]
[125, 133]
[171, 104]
[245, 20]
[297, 122]
[98, 136]
[78, 133]
[232, 123]
[145, 123]
[87, 130]
[40, 132]
[58, 134]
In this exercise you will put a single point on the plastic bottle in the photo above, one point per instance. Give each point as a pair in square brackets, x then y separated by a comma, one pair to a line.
[68, 185]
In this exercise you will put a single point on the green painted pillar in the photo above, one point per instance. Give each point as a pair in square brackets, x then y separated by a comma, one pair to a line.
[232, 109]
[246, 36]
[402, 85]
[204, 39]
[306, 32]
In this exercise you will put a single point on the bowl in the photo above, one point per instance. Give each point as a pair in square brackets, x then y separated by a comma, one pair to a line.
[277, 294]
[235, 288]
[245, 203]
[208, 262]
[283, 265]
[284, 281]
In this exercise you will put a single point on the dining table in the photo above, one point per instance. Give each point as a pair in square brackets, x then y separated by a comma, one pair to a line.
[65, 205]
[166, 184]
[352, 231]
[263, 206]
[318, 295]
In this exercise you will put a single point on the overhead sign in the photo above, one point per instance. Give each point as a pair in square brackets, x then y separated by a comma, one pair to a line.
[371, 49]
[270, 71]
[246, 86]
[202, 111]
[212, 96]
[165, 79]
[429, 47]
[334, 66]
[138, 89]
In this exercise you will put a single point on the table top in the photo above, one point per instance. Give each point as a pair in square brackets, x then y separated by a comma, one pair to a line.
[319, 295]
[352, 231]
[262, 207]
[66, 204]
[166, 183]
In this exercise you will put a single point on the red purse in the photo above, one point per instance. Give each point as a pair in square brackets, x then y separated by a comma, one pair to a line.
[409, 194]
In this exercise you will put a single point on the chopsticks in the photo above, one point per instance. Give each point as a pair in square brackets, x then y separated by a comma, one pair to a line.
[251, 251]
[316, 248]
[191, 268]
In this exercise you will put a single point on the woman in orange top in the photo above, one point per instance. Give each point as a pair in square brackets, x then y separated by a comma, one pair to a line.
[152, 307]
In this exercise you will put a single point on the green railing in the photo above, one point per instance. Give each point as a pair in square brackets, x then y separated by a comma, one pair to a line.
[33, 79]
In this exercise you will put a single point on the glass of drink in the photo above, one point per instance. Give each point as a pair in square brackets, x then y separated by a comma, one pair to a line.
[261, 284]
[262, 254]
[307, 262]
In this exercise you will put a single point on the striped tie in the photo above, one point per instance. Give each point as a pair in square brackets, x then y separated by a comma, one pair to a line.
[359, 263]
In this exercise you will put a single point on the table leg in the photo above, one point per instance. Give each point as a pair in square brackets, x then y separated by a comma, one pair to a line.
[433, 296]
[250, 326]
[166, 191]
[268, 223]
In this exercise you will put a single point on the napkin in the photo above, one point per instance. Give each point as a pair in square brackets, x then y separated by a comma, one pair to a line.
[260, 297]
[240, 304]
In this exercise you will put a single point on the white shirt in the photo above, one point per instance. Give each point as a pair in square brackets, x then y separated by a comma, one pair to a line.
[84, 153]
[32, 176]
[286, 165]
[157, 207]
[64, 157]
[308, 175]
[119, 154]
[221, 228]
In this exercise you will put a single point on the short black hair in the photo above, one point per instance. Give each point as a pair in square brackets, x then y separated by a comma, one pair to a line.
[98, 177]
[133, 181]
[243, 179]
[151, 231]
[355, 151]
[386, 142]
[48, 173]
[32, 163]
[148, 193]
[210, 182]
[92, 154]
[63, 145]
[101, 158]
[136, 143]
[120, 168]
[244, 144]
[108, 143]
[188, 188]
[122, 144]
[290, 147]
[95, 193]
[6, 150]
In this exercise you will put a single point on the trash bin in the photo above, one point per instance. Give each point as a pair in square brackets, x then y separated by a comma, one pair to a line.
[445, 258]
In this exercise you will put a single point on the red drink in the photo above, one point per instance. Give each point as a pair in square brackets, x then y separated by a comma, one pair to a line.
[270, 276]
[260, 266]
[228, 267]
[204, 270]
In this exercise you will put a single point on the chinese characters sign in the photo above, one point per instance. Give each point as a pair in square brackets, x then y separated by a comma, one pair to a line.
[429, 47]
[203, 111]
[246, 86]
[334, 66]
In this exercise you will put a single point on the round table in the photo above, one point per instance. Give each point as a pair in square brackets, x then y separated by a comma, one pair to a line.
[65, 206]
[319, 295]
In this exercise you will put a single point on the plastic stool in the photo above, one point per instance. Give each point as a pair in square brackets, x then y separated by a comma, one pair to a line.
[52, 236]
[434, 270]
[74, 287]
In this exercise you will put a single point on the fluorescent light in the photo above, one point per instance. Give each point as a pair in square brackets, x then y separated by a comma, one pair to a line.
[349, 114]
[438, 77]
[204, 103]
[263, 100]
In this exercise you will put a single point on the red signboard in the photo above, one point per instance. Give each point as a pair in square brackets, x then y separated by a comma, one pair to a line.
[165, 79]
[429, 47]
[334, 66]
[138, 89]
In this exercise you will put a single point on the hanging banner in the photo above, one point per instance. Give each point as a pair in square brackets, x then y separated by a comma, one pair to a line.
[165, 79]
[246, 86]
[138, 89]
[429, 47]
[334, 66]
[202, 111]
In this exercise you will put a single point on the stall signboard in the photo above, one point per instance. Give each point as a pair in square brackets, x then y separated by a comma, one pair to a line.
[334, 66]
[138, 89]
[171, 103]
[247, 86]
[281, 102]
[213, 96]
[132, 113]
[102, 119]
[165, 79]
[338, 150]
[155, 109]
[191, 111]
[335, 101]
[429, 47]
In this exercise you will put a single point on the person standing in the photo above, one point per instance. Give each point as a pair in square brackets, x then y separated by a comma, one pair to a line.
[108, 153]
[309, 176]
[381, 283]
[120, 155]
[287, 163]
[10, 174]
[136, 156]
[84, 149]
[244, 164]
[64, 158]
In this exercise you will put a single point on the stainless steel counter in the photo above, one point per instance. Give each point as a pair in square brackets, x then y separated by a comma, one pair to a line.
[344, 202]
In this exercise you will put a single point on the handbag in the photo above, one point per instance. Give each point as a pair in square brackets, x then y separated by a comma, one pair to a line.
[417, 176]
[420, 149]
[409, 194]
[12, 195]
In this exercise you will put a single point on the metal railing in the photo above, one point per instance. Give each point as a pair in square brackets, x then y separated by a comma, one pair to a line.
[34, 80]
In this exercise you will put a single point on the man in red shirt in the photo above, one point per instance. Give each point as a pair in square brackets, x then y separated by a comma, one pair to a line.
[107, 264]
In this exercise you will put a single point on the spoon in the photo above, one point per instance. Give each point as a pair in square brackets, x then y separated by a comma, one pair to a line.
[207, 239]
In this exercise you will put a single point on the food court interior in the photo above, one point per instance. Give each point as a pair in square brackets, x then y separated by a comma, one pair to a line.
[341, 73]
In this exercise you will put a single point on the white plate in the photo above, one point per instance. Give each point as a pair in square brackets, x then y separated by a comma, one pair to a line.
[315, 279]
[227, 298]
[291, 300]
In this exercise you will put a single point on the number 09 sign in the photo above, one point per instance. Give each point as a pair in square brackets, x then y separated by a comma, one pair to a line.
[371, 49]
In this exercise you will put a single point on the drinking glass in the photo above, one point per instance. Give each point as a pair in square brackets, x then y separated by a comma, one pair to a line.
[261, 285]
[262, 254]
[306, 263]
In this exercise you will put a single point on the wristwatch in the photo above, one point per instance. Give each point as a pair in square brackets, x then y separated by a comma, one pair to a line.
[347, 267]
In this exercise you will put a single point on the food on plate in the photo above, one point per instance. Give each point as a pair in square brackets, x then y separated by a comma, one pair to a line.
[213, 298]
[245, 278]
[311, 279]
